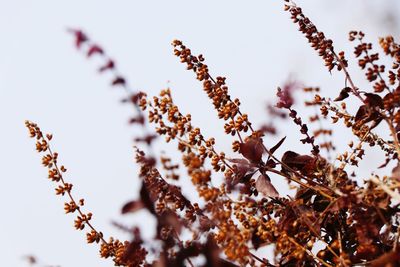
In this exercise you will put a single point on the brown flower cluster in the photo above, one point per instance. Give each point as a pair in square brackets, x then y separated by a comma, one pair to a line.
[316, 38]
[334, 217]
[113, 248]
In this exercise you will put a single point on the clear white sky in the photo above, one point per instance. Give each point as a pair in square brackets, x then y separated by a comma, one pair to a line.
[44, 79]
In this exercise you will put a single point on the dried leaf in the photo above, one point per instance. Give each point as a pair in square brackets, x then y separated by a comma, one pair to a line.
[80, 37]
[211, 251]
[294, 160]
[344, 93]
[373, 100]
[270, 163]
[205, 223]
[148, 139]
[252, 149]
[383, 165]
[118, 81]
[108, 66]
[94, 49]
[184, 253]
[146, 199]
[362, 112]
[132, 206]
[368, 113]
[244, 171]
[256, 241]
[138, 119]
[31, 259]
[238, 161]
[264, 186]
[171, 219]
[275, 147]
[396, 172]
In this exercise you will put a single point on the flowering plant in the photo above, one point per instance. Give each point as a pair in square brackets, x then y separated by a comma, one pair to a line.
[331, 219]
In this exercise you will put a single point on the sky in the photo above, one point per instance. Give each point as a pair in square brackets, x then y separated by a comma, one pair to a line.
[43, 78]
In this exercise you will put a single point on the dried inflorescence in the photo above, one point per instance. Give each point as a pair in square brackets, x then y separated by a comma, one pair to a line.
[333, 218]
[316, 38]
[112, 248]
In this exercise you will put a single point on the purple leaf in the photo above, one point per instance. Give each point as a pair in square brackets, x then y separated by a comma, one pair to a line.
[264, 186]
[275, 147]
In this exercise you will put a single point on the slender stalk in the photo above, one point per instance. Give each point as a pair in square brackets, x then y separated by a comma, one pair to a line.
[72, 198]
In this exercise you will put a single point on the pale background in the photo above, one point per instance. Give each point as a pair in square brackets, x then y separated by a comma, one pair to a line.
[44, 79]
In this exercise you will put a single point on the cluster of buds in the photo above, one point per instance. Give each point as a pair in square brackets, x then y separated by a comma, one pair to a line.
[216, 89]
[391, 48]
[374, 71]
[83, 220]
[316, 38]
